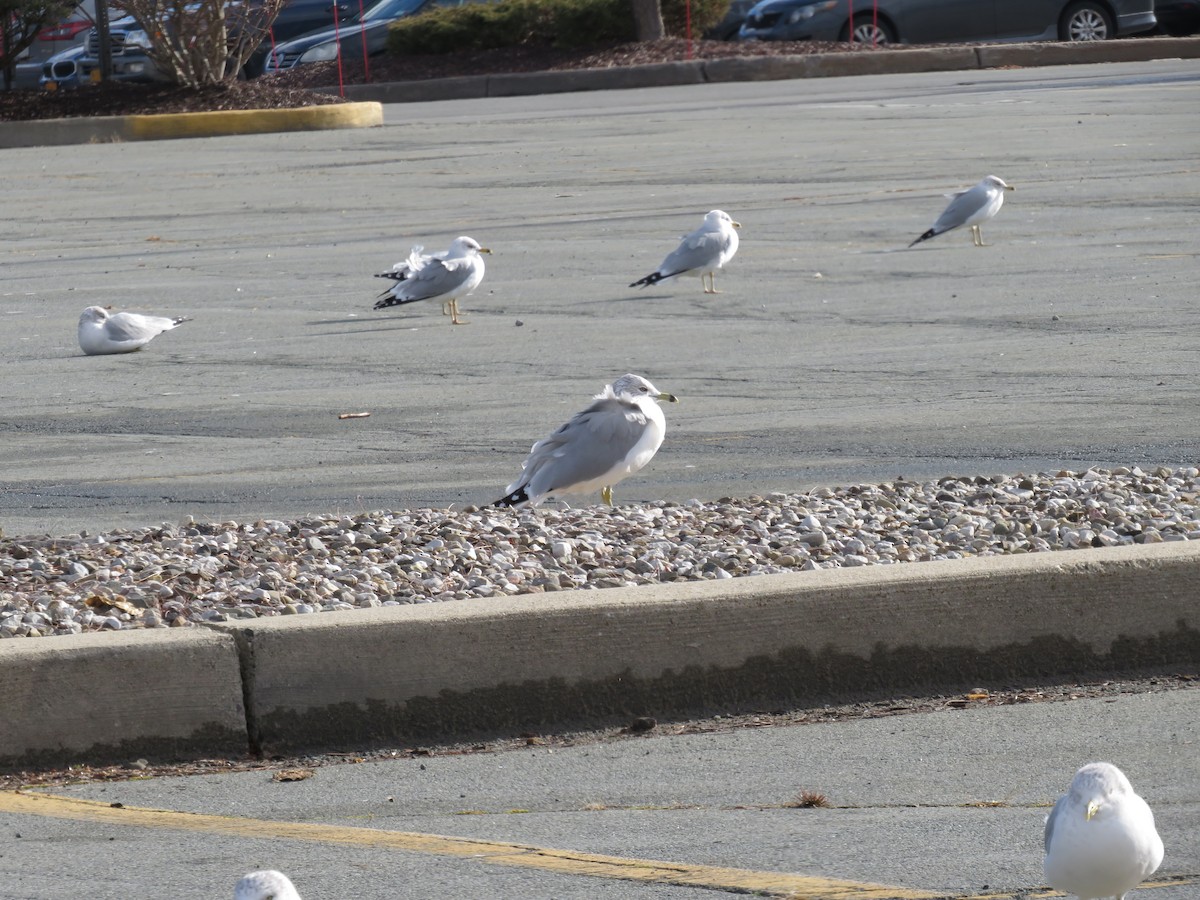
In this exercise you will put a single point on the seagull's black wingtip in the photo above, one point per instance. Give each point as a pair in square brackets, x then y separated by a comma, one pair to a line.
[652, 278]
[516, 498]
[926, 236]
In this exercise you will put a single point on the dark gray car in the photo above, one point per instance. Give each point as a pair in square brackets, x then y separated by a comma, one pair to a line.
[366, 32]
[944, 21]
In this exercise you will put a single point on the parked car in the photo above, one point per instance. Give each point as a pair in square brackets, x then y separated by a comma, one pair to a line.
[727, 28]
[64, 35]
[130, 62]
[1177, 17]
[369, 28]
[129, 44]
[940, 21]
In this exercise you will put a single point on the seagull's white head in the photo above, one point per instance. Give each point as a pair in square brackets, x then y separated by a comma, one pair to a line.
[265, 885]
[719, 219]
[997, 182]
[93, 314]
[1096, 783]
[636, 386]
[464, 246]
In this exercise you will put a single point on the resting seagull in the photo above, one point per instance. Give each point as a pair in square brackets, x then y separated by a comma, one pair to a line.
[973, 207]
[265, 885]
[705, 250]
[445, 276]
[609, 441]
[103, 332]
[1100, 836]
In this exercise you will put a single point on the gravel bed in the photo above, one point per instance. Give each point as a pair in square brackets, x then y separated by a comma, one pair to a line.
[194, 573]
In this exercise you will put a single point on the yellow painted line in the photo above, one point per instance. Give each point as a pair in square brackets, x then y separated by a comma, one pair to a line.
[563, 862]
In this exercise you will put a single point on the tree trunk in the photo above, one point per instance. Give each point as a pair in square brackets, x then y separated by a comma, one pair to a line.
[647, 20]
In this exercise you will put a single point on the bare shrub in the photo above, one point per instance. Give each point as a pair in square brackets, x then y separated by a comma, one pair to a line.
[204, 42]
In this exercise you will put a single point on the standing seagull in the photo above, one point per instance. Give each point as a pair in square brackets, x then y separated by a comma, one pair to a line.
[609, 441]
[445, 276]
[705, 250]
[970, 207]
[265, 885]
[103, 332]
[1100, 836]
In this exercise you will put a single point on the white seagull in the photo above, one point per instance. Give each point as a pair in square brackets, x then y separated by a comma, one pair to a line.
[103, 332]
[609, 441]
[265, 885]
[705, 250]
[1100, 836]
[446, 276]
[973, 207]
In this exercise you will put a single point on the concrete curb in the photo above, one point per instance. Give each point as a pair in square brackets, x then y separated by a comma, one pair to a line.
[777, 68]
[120, 696]
[109, 129]
[395, 676]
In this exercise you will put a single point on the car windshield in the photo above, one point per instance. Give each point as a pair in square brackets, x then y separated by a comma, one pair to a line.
[392, 9]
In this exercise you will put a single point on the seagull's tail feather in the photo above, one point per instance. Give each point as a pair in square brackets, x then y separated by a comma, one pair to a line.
[926, 236]
[516, 498]
[394, 276]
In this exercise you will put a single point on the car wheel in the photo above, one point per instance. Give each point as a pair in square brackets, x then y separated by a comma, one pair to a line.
[869, 30]
[1086, 21]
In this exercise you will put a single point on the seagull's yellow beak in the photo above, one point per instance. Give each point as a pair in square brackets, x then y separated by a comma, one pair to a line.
[1092, 808]
[670, 398]
[484, 250]
[736, 224]
[1009, 187]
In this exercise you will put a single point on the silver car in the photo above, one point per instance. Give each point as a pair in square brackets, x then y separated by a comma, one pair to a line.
[946, 21]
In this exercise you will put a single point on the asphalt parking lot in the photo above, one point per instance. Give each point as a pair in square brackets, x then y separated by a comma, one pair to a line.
[834, 354]
[931, 806]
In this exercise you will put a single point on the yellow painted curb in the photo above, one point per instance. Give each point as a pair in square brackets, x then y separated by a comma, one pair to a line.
[253, 121]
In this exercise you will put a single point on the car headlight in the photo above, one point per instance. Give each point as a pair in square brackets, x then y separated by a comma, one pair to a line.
[803, 13]
[320, 53]
[137, 39]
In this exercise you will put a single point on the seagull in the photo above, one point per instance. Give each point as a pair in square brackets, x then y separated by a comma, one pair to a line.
[706, 249]
[103, 332]
[610, 440]
[265, 885]
[973, 207]
[446, 276]
[1100, 836]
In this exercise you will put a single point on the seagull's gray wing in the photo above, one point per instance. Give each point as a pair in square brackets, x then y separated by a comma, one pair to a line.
[696, 251]
[964, 205]
[126, 326]
[437, 278]
[587, 447]
[1059, 807]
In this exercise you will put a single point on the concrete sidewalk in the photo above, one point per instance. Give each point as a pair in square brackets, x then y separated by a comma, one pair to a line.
[372, 677]
[364, 109]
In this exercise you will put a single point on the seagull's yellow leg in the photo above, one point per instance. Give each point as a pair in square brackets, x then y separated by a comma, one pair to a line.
[711, 287]
[454, 319]
[977, 236]
[446, 307]
[606, 494]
